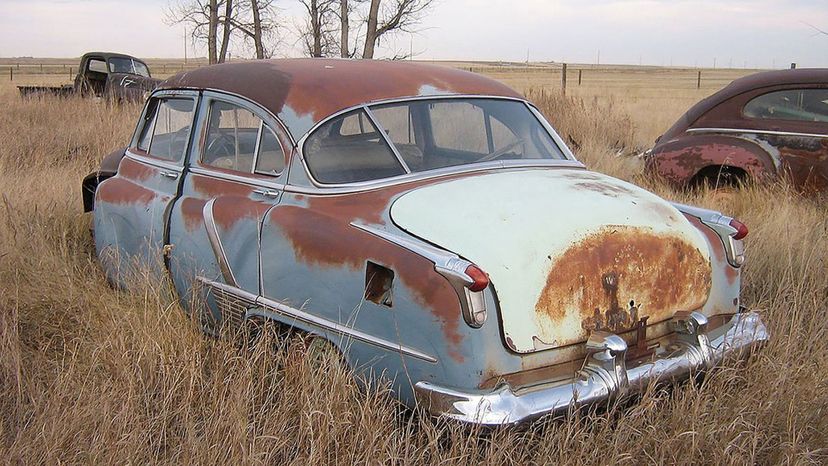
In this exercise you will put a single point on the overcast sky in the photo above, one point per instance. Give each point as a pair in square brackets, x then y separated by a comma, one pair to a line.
[752, 33]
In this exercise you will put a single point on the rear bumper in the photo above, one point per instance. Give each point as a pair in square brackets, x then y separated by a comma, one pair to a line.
[604, 376]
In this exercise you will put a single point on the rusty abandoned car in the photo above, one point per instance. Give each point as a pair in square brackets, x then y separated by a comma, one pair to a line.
[430, 225]
[103, 74]
[758, 128]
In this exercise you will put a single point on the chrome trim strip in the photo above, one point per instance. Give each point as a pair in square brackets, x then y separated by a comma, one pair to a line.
[434, 254]
[215, 243]
[757, 131]
[236, 178]
[425, 175]
[153, 161]
[605, 376]
[290, 312]
[284, 310]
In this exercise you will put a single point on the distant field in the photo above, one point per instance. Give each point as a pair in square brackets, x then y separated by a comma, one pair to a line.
[653, 96]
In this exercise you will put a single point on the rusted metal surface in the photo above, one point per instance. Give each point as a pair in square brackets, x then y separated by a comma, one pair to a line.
[716, 137]
[302, 92]
[614, 277]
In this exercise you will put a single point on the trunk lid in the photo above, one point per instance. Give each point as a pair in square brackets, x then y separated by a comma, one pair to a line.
[567, 251]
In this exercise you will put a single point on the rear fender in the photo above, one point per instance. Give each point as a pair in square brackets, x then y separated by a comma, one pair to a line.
[108, 169]
[680, 160]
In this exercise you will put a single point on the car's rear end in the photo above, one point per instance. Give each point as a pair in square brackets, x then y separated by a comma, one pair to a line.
[597, 289]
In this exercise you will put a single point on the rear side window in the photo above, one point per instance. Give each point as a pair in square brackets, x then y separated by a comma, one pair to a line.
[166, 128]
[794, 104]
[235, 136]
[350, 149]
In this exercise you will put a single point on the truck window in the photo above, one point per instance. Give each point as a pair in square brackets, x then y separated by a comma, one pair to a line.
[97, 65]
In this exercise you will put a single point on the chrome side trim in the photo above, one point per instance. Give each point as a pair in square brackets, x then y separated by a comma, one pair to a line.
[215, 243]
[425, 175]
[757, 131]
[734, 249]
[272, 307]
[605, 376]
[432, 253]
[237, 178]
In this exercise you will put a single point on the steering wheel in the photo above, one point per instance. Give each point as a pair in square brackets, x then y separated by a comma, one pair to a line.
[500, 152]
[222, 145]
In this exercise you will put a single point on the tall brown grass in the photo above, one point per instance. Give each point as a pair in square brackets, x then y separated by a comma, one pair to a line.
[89, 374]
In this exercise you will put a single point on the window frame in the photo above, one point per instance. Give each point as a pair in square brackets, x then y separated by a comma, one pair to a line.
[787, 88]
[265, 119]
[568, 158]
[143, 120]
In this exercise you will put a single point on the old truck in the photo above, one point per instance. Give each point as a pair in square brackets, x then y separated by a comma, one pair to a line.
[103, 74]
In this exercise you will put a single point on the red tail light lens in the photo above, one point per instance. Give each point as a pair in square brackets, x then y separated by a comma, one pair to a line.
[741, 229]
[479, 277]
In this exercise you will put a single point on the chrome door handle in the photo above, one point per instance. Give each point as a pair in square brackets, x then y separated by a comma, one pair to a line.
[271, 193]
[170, 175]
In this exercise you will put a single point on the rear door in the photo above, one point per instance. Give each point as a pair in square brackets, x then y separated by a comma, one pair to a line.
[235, 174]
[131, 208]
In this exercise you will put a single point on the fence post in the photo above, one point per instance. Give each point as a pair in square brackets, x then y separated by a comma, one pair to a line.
[579, 76]
[11, 74]
[563, 78]
[70, 73]
[698, 81]
[41, 68]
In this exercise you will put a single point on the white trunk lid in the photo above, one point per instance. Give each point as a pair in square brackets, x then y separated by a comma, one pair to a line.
[567, 251]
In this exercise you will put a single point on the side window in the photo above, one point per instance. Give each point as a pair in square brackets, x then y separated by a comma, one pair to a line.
[97, 65]
[232, 135]
[503, 137]
[271, 159]
[334, 155]
[166, 127]
[398, 123]
[466, 133]
[795, 105]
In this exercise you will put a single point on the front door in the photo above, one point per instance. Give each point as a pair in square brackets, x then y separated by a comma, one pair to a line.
[234, 176]
[131, 208]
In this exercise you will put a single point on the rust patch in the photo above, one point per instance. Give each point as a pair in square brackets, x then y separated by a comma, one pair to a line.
[120, 191]
[192, 210]
[616, 276]
[212, 187]
[604, 188]
[135, 171]
[228, 211]
[322, 240]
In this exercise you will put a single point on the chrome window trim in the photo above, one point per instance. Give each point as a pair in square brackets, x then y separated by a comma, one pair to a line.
[241, 178]
[756, 131]
[387, 139]
[300, 144]
[216, 245]
[155, 162]
[430, 174]
[194, 95]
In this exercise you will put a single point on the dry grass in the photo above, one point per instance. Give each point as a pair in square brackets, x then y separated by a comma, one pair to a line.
[93, 375]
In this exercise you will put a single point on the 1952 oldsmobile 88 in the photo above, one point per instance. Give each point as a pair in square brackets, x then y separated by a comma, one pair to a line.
[430, 225]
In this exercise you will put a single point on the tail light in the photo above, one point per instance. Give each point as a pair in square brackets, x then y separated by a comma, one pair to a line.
[741, 228]
[479, 278]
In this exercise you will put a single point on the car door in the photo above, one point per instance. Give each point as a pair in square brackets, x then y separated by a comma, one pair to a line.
[796, 122]
[234, 175]
[132, 207]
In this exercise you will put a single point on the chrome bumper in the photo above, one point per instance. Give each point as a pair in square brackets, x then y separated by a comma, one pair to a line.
[605, 376]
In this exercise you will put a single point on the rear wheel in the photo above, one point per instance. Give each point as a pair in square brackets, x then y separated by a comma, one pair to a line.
[720, 177]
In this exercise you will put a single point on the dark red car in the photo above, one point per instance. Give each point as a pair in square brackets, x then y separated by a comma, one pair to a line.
[761, 127]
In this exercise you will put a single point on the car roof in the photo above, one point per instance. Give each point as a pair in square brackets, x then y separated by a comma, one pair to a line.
[303, 92]
[801, 76]
[108, 55]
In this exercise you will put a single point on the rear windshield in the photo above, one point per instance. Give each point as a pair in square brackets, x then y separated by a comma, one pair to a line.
[425, 135]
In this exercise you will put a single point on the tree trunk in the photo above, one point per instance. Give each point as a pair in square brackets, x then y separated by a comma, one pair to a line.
[257, 29]
[225, 39]
[212, 29]
[344, 28]
[316, 30]
[371, 32]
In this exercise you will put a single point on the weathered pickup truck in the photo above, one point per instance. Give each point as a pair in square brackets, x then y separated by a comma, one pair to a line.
[103, 74]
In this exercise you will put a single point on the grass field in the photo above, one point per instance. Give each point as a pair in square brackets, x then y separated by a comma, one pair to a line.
[93, 375]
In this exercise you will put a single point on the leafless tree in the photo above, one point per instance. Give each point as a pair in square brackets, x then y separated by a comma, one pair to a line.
[251, 21]
[317, 32]
[388, 16]
[344, 29]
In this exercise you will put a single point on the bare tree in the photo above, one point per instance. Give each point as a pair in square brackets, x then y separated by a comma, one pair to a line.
[252, 21]
[317, 34]
[344, 29]
[388, 17]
